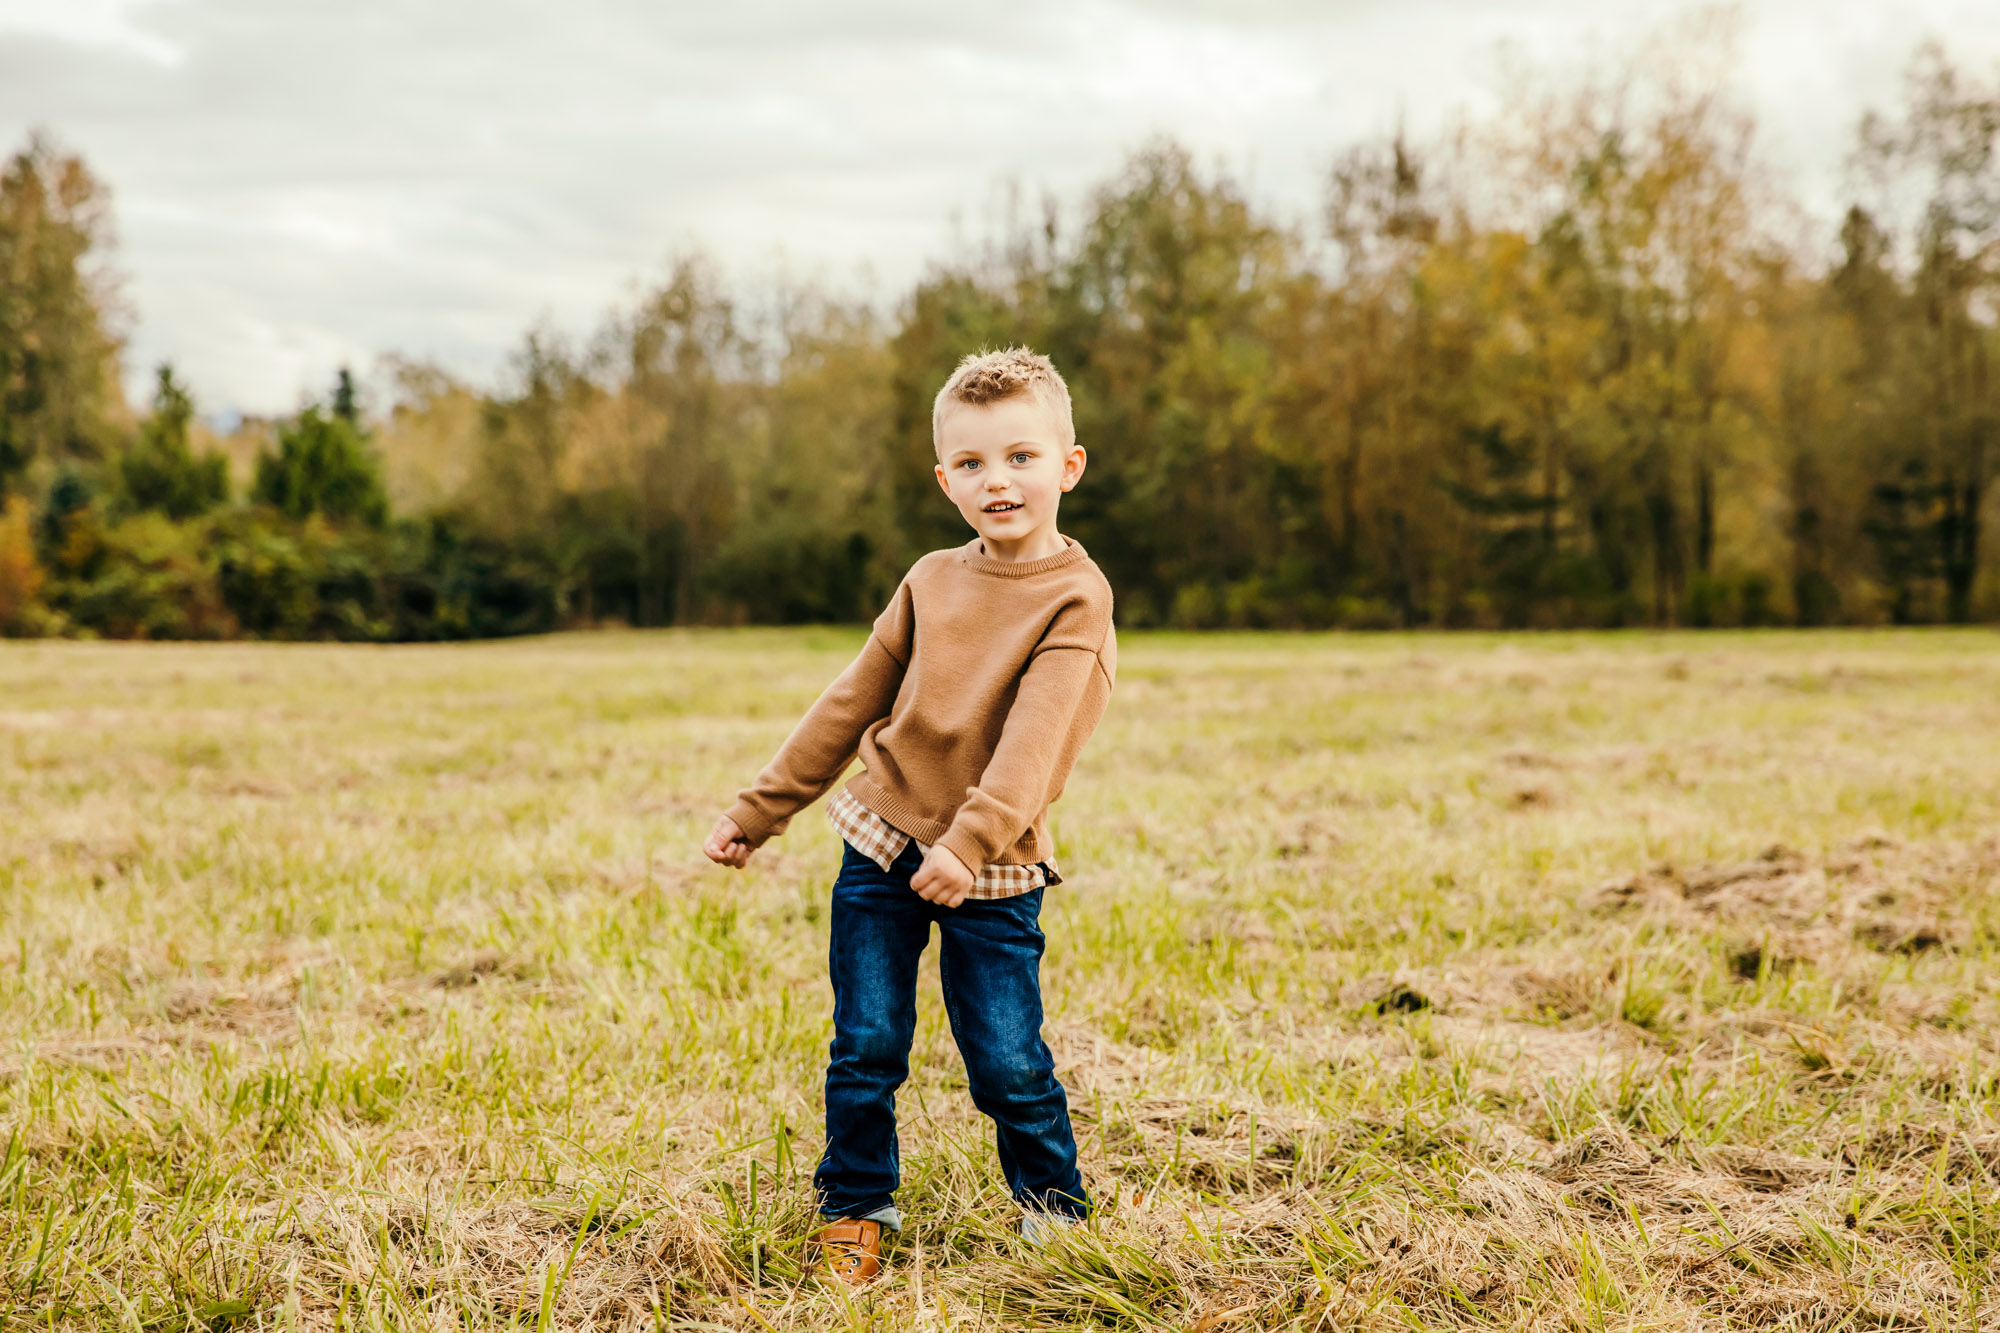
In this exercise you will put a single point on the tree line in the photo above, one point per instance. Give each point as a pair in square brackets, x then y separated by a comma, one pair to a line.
[1582, 365]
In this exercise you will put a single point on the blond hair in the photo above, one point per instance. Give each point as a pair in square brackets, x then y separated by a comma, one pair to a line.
[994, 377]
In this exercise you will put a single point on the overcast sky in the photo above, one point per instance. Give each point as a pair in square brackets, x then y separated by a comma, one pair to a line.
[303, 184]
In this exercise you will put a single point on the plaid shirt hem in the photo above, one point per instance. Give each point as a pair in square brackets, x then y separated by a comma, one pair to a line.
[881, 842]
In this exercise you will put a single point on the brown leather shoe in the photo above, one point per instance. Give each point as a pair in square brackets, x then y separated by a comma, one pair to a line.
[851, 1249]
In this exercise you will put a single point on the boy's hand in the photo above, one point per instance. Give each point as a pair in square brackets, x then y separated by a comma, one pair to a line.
[942, 878]
[726, 845]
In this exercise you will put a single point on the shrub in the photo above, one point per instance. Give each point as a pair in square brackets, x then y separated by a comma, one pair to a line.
[787, 576]
[145, 578]
[266, 577]
[21, 575]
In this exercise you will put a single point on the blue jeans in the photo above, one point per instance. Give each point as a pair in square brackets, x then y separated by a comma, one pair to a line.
[990, 965]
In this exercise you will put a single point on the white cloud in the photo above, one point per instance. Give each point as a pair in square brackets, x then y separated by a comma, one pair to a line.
[105, 23]
[300, 183]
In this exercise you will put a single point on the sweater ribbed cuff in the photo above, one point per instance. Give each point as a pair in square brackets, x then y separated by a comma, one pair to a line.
[960, 843]
[757, 830]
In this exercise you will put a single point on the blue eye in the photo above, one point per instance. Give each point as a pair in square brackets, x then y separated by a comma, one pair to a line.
[1023, 458]
[970, 463]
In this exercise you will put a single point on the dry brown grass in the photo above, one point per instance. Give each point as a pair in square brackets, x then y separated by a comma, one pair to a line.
[1562, 982]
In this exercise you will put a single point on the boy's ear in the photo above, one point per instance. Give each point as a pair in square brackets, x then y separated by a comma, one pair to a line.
[1073, 465]
[943, 485]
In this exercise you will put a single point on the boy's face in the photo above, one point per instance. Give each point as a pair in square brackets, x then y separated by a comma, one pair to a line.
[1006, 469]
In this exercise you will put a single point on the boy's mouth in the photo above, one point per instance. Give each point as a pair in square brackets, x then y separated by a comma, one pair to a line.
[1001, 507]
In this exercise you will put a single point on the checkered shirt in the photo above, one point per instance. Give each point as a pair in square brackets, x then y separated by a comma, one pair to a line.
[881, 842]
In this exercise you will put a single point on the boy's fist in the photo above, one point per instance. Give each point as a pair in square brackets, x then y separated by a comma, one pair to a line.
[726, 845]
[942, 878]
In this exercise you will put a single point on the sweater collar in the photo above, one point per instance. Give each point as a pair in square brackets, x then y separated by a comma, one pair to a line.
[979, 562]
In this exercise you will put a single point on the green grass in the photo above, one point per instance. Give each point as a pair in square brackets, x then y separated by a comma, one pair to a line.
[1400, 982]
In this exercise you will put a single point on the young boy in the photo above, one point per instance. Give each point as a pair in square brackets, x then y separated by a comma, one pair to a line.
[967, 706]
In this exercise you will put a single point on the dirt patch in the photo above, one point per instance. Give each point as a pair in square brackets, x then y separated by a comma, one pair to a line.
[243, 1007]
[1883, 895]
[100, 860]
[267, 993]
[1559, 994]
[486, 966]
[1916, 1148]
[1529, 759]
[613, 1254]
[1392, 995]
[107, 1054]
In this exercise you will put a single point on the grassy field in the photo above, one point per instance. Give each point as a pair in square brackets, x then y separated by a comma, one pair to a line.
[1561, 982]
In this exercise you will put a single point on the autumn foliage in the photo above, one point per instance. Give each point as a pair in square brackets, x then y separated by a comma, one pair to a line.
[1581, 366]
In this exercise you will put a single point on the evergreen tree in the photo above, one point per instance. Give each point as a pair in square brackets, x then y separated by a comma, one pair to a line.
[345, 404]
[161, 471]
[323, 465]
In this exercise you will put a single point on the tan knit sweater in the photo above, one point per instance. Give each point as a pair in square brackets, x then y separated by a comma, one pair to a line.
[968, 705]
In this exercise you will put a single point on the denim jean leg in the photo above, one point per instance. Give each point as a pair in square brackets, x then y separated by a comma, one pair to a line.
[990, 964]
[879, 931]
